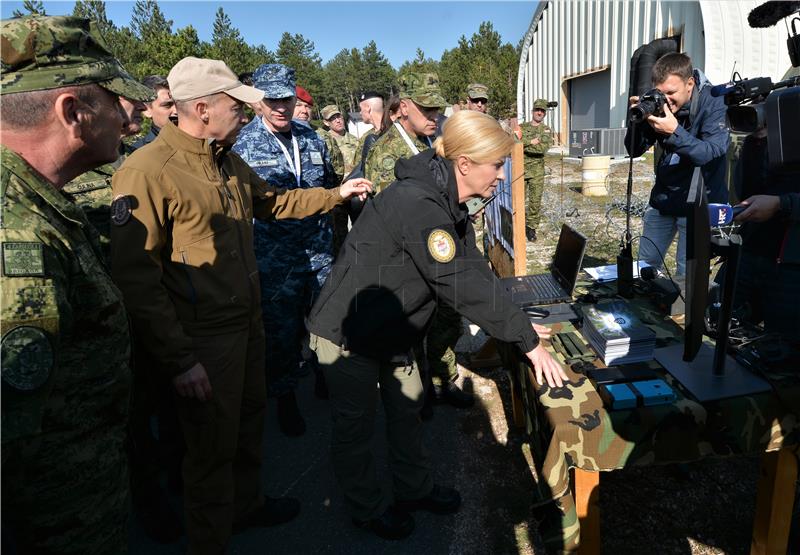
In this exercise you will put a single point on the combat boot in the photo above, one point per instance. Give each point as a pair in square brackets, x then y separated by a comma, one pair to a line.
[450, 393]
[393, 524]
[274, 511]
[441, 501]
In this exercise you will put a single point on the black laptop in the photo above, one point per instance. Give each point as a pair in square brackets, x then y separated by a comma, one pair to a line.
[556, 286]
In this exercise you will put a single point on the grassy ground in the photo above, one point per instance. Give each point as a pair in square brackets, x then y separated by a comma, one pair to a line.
[600, 219]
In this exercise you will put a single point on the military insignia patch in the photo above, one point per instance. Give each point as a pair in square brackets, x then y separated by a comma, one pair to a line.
[28, 358]
[121, 209]
[23, 259]
[388, 163]
[316, 158]
[441, 246]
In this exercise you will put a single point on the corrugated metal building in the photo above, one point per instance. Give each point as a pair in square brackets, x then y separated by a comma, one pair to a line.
[578, 52]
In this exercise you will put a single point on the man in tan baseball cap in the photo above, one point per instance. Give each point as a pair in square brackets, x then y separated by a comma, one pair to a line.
[206, 93]
[182, 255]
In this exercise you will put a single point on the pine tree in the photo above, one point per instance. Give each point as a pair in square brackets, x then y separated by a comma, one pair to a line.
[148, 21]
[96, 11]
[31, 7]
[298, 52]
[228, 45]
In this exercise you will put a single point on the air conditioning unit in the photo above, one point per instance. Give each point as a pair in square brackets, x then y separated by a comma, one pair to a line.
[583, 142]
[612, 142]
[597, 141]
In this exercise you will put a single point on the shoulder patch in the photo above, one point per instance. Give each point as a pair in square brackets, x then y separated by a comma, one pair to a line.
[388, 163]
[23, 259]
[28, 358]
[121, 209]
[441, 246]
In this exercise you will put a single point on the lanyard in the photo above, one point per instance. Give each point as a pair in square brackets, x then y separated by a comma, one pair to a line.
[407, 139]
[295, 167]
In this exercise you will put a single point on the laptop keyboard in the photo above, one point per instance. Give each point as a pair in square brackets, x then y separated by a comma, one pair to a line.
[546, 287]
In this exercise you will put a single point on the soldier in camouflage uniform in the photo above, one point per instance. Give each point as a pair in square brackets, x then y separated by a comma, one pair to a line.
[537, 139]
[335, 154]
[420, 102]
[342, 146]
[92, 190]
[478, 98]
[294, 256]
[370, 105]
[65, 340]
[335, 129]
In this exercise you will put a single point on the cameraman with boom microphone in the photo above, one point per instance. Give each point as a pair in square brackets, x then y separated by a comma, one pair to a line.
[689, 126]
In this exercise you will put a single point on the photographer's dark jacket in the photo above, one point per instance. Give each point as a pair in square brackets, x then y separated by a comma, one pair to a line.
[779, 237]
[413, 244]
[701, 139]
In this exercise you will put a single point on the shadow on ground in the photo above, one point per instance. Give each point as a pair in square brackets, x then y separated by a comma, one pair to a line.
[470, 449]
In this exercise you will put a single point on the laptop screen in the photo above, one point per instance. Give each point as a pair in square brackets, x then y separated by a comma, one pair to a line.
[568, 257]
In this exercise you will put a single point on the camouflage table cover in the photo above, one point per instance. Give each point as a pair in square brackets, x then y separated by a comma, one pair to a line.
[570, 428]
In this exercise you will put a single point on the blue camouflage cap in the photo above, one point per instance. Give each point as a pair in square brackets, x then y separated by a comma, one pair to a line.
[276, 80]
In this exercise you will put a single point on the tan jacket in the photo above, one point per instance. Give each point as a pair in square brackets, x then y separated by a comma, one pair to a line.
[182, 240]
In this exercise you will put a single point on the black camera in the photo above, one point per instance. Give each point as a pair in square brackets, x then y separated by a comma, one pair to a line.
[650, 103]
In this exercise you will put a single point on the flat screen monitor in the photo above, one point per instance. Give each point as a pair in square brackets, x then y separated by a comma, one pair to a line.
[698, 253]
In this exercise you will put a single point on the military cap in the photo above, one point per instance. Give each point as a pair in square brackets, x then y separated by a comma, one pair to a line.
[194, 78]
[540, 104]
[303, 95]
[49, 52]
[329, 111]
[422, 88]
[276, 80]
[366, 95]
[476, 90]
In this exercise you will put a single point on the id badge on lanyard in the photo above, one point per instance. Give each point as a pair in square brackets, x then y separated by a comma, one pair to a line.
[295, 166]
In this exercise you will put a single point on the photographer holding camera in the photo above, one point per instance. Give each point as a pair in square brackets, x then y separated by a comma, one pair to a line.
[689, 126]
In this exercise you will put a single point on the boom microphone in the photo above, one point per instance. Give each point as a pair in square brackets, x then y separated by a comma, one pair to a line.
[769, 13]
[552, 104]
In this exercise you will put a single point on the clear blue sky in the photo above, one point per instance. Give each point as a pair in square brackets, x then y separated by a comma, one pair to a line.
[398, 28]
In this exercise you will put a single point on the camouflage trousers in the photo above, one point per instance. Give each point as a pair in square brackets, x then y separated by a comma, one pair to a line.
[559, 526]
[286, 298]
[534, 187]
[66, 492]
[441, 343]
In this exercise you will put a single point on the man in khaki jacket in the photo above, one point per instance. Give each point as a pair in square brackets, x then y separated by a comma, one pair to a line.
[182, 254]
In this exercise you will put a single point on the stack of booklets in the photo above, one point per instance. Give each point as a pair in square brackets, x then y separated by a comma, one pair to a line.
[618, 336]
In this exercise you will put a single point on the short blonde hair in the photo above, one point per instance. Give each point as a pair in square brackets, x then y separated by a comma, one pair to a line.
[475, 135]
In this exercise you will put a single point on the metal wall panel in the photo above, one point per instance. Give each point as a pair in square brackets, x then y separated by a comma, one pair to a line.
[569, 38]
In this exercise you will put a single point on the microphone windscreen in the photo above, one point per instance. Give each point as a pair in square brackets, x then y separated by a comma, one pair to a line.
[769, 13]
[720, 214]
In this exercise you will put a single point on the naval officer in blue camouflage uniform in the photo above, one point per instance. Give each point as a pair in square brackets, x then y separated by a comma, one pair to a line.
[294, 256]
